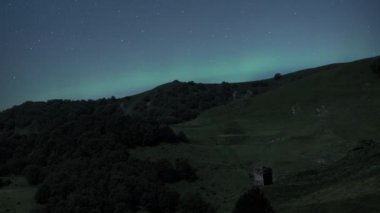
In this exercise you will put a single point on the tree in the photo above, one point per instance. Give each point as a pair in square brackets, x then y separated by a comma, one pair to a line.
[277, 76]
[253, 201]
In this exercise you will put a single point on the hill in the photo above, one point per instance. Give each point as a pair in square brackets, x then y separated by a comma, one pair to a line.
[177, 102]
[351, 184]
[307, 124]
[314, 119]
[117, 155]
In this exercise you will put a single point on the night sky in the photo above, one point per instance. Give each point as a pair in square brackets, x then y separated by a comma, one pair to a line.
[88, 49]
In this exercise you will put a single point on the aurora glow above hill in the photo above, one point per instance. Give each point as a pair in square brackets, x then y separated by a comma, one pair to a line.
[90, 49]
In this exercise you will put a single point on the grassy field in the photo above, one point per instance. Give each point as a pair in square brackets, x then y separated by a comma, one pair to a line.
[303, 125]
[17, 197]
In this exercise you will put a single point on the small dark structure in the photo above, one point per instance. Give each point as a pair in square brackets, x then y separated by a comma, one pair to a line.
[263, 176]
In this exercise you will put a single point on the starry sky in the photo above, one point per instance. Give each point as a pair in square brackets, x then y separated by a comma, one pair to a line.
[88, 49]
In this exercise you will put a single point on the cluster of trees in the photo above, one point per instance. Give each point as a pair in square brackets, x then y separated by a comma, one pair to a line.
[178, 102]
[38, 117]
[77, 155]
[113, 183]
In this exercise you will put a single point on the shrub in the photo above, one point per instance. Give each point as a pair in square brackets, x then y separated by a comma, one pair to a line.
[193, 203]
[277, 76]
[253, 201]
[166, 134]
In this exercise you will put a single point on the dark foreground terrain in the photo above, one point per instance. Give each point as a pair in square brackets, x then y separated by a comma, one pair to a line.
[188, 147]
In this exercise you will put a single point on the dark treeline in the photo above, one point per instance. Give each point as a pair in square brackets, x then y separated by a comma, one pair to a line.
[77, 155]
[178, 102]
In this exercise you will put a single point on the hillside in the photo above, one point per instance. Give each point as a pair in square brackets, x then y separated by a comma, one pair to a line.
[351, 184]
[178, 102]
[314, 119]
[303, 125]
[170, 103]
[117, 155]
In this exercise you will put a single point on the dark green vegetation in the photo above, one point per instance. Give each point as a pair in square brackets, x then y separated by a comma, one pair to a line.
[78, 156]
[253, 201]
[177, 102]
[119, 155]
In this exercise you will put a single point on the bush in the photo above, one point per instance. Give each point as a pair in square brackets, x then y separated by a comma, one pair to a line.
[277, 76]
[253, 201]
[193, 203]
[166, 134]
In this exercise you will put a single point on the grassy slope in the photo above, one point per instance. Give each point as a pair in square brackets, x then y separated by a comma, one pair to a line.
[351, 184]
[17, 197]
[264, 129]
[228, 141]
